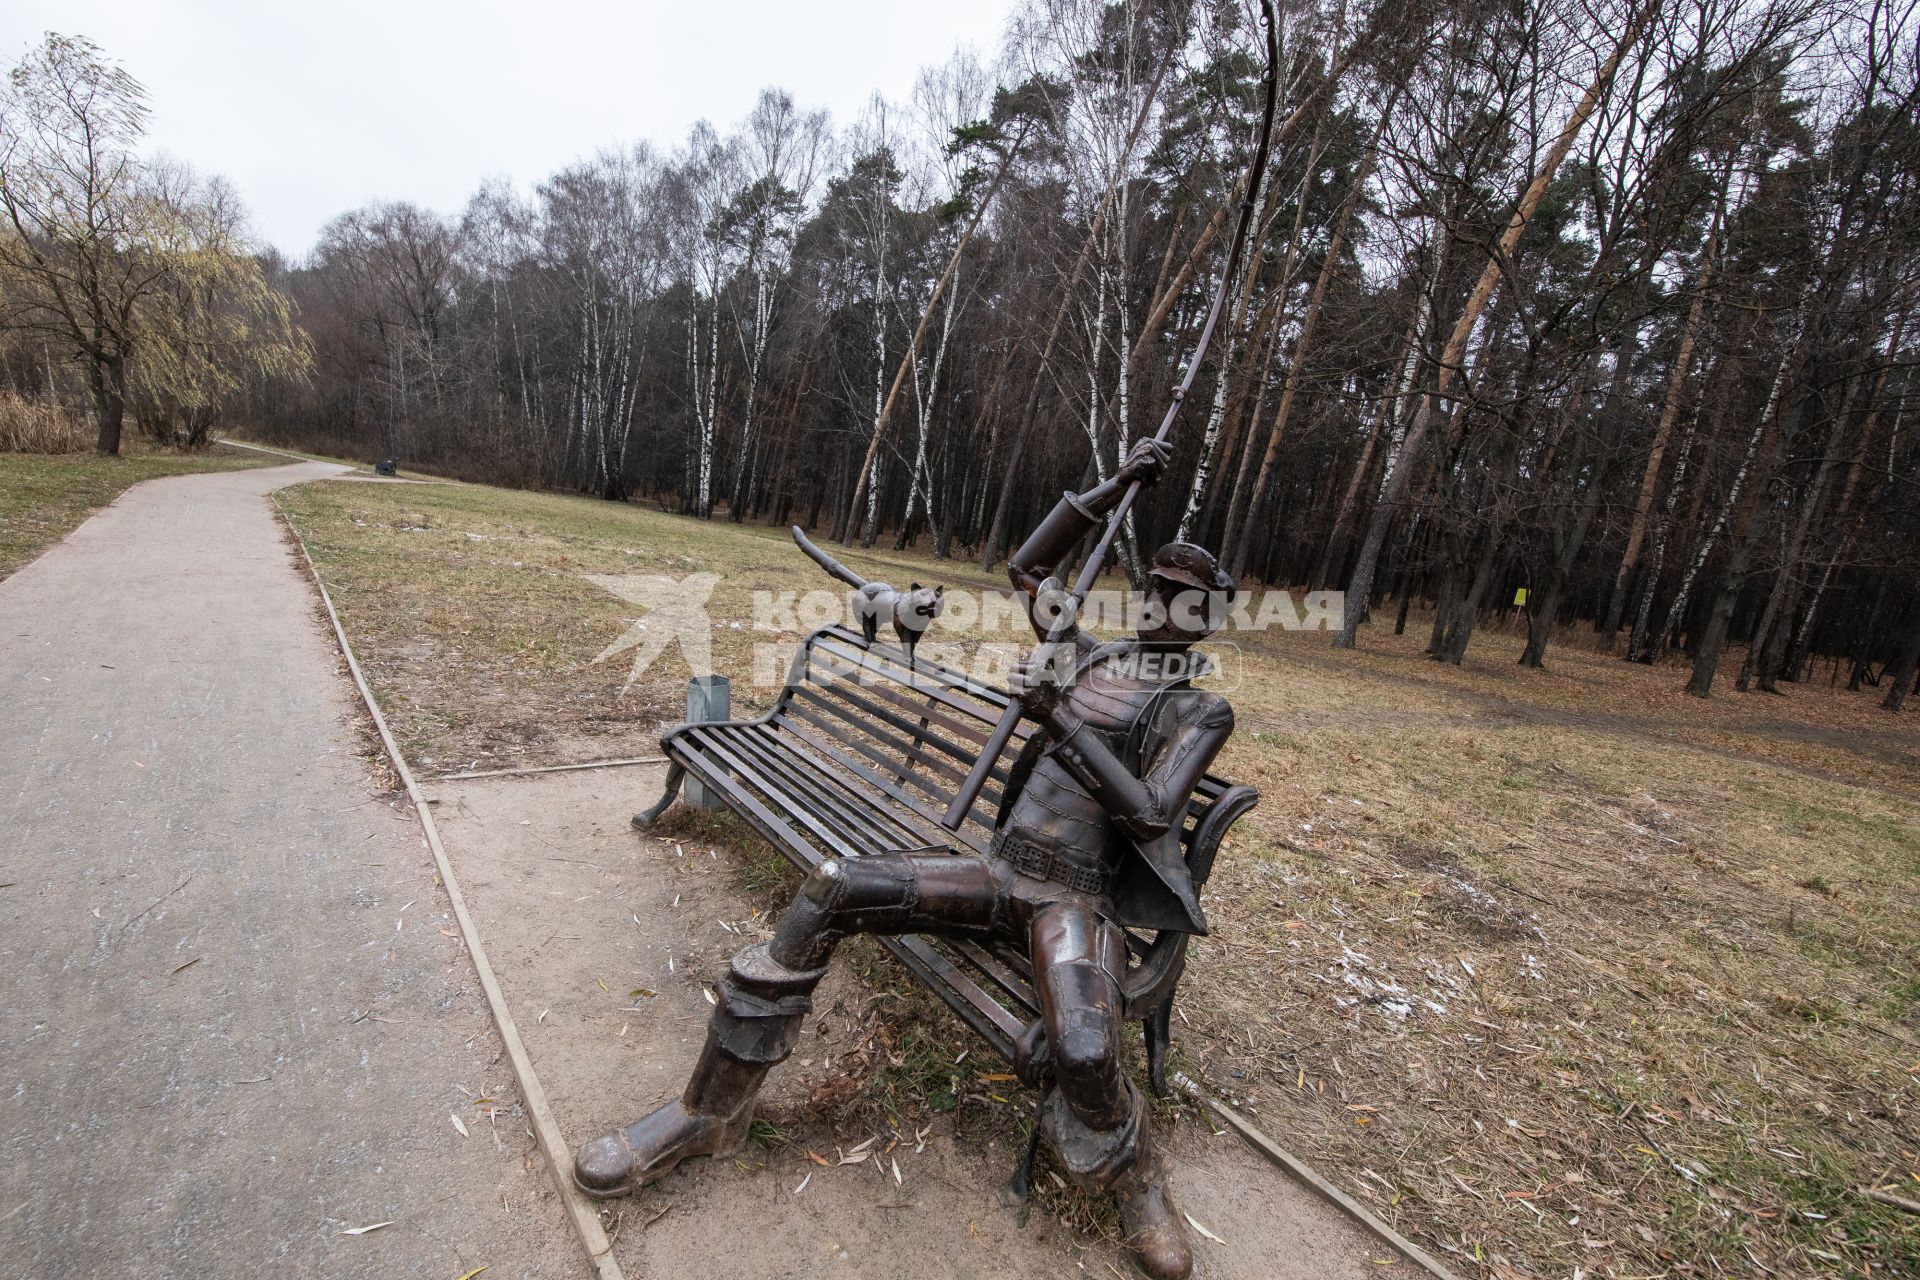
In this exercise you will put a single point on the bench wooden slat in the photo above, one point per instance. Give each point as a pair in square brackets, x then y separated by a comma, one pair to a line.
[739, 776]
[804, 706]
[879, 825]
[1015, 980]
[790, 730]
[987, 703]
[852, 715]
[933, 709]
[1002, 1027]
[845, 691]
[771, 827]
[846, 662]
[862, 669]
[799, 718]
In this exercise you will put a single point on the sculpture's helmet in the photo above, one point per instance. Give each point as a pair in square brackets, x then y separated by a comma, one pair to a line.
[1191, 566]
[1190, 573]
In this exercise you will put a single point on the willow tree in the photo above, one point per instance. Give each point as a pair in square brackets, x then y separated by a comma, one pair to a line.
[211, 324]
[77, 212]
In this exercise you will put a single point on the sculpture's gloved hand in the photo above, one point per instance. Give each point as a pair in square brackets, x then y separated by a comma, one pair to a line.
[1146, 460]
[1040, 678]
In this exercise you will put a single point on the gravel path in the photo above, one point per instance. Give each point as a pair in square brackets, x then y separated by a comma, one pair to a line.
[237, 1022]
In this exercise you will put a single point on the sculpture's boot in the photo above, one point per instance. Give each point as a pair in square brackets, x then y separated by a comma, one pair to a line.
[1122, 1162]
[1153, 1226]
[754, 1028]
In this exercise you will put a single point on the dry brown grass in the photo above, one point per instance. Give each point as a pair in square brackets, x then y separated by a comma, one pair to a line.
[1561, 969]
[1552, 927]
[34, 426]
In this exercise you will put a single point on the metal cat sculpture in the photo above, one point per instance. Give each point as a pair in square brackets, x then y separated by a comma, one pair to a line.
[910, 612]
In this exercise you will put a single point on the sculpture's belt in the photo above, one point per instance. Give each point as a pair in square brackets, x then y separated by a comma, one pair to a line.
[1043, 863]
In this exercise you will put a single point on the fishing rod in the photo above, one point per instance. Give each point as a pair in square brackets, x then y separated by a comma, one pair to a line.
[1003, 732]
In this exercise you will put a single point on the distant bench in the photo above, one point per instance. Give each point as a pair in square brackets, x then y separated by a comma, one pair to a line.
[861, 755]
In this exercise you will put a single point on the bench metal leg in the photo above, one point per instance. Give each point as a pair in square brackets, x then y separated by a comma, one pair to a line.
[1019, 1187]
[1159, 1028]
[647, 817]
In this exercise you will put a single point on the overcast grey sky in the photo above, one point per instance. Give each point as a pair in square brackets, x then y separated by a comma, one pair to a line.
[314, 109]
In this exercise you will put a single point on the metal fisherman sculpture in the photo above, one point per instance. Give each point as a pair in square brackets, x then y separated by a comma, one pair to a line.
[1086, 844]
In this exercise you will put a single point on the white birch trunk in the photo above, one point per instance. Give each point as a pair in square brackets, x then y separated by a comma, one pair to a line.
[1397, 438]
[924, 401]
[1734, 491]
[706, 389]
[1209, 442]
[756, 355]
[1095, 349]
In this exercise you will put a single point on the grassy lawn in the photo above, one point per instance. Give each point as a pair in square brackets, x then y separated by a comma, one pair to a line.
[44, 497]
[1558, 969]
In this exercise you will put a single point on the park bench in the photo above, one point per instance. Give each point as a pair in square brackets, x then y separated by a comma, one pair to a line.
[861, 755]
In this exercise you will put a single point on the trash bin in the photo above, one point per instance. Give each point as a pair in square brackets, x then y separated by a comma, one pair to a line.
[708, 699]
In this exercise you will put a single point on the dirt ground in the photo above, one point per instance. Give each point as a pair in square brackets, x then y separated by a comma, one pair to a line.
[1556, 969]
[605, 941]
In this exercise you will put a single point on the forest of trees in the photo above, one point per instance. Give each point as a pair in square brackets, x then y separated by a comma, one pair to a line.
[1610, 300]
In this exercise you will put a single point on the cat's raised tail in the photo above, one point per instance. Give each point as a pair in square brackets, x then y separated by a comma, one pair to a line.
[824, 560]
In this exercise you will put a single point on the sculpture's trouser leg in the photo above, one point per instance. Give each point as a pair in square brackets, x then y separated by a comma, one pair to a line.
[766, 993]
[892, 893]
[1095, 1118]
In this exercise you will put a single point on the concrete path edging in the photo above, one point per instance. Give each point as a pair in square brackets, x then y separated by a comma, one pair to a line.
[1305, 1174]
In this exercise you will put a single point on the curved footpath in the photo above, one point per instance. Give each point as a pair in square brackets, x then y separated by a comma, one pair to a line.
[237, 1023]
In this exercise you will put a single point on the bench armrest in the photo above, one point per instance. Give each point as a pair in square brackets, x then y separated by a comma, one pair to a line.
[1227, 810]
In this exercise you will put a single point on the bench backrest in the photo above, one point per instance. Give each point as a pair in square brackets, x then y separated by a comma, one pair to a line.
[913, 731]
